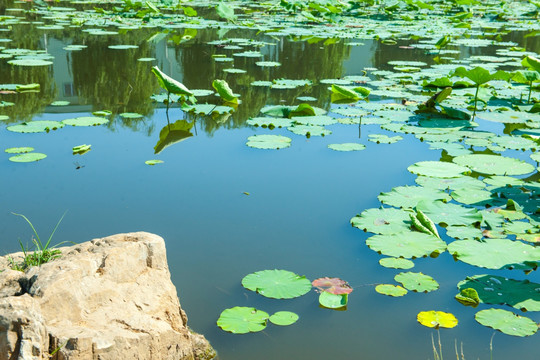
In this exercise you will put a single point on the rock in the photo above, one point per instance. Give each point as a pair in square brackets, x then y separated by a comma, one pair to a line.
[110, 298]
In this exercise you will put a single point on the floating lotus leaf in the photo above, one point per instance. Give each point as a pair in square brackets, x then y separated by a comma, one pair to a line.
[242, 320]
[334, 286]
[202, 92]
[209, 109]
[153, 162]
[468, 297]
[267, 63]
[506, 322]
[417, 281]
[146, 59]
[384, 139]
[453, 149]
[449, 214]
[283, 318]
[437, 319]
[4, 117]
[333, 301]
[409, 196]
[81, 149]
[122, 47]
[351, 112]
[30, 62]
[501, 181]
[36, 126]
[268, 141]
[321, 120]
[234, 71]
[269, 122]
[438, 169]
[277, 284]
[60, 103]
[463, 182]
[508, 117]
[396, 263]
[497, 290]
[347, 147]
[102, 113]
[410, 244]
[515, 142]
[464, 232]
[130, 115]
[249, 54]
[496, 253]
[494, 165]
[19, 150]
[28, 157]
[391, 290]
[473, 196]
[85, 121]
[309, 130]
[382, 221]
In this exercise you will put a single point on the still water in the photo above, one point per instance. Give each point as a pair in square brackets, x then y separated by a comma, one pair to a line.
[296, 216]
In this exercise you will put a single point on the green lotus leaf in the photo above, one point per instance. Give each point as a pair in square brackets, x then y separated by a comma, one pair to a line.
[277, 284]
[473, 196]
[234, 71]
[396, 263]
[209, 109]
[28, 157]
[130, 115]
[506, 322]
[463, 182]
[515, 143]
[123, 47]
[453, 149]
[409, 196]
[30, 62]
[270, 122]
[153, 162]
[249, 54]
[60, 103]
[146, 59]
[468, 296]
[437, 319]
[85, 121]
[347, 147]
[19, 150]
[4, 117]
[321, 120]
[81, 149]
[102, 113]
[449, 214]
[382, 221]
[409, 244]
[480, 76]
[267, 63]
[171, 85]
[309, 130]
[438, 169]
[283, 318]
[343, 92]
[268, 141]
[202, 92]
[242, 320]
[391, 290]
[496, 253]
[417, 281]
[384, 139]
[502, 181]
[494, 165]
[350, 112]
[532, 63]
[36, 126]
[497, 290]
[464, 232]
[333, 301]
[225, 91]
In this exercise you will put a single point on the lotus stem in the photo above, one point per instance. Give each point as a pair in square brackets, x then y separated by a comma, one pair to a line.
[530, 90]
[475, 101]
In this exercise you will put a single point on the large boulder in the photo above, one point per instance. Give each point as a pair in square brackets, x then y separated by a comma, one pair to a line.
[109, 298]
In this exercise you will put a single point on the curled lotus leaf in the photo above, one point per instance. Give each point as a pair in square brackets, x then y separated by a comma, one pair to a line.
[277, 284]
[333, 301]
[334, 286]
[391, 290]
[242, 320]
[382, 221]
[417, 281]
[437, 319]
[438, 169]
[224, 91]
[468, 297]
[171, 85]
[494, 164]
[409, 244]
[506, 322]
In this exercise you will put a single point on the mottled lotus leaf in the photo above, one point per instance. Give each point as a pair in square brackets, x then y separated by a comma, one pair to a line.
[333, 301]
[384, 139]
[347, 147]
[473, 196]
[283, 318]
[501, 181]
[153, 162]
[438, 169]
[19, 150]
[85, 121]
[494, 165]
[506, 322]
[463, 182]
[277, 284]
[409, 244]
[334, 286]
[437, 319]
[382, 221]
[242, 320]
[28, 157]
[464, 232]
[36, 126]
[396, 263]
[515, 142]
[309, 130]
[268, 141]
[417, 281]
[269, 122]
[321, 120]
[496, 253]
[468, 296]
[391, 290]
[449, 214]
[409, 196]
[497, 290]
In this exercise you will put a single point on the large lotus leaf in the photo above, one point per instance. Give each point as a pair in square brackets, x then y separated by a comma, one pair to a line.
[283, 318]
[437, 319]
[309, 130]
[19, 150]
[473, 196]
[396, 263]
[464, 232]
[463, 182]
[171, 85]
[496, 253]
[85, 121]
[417, 281]
[409, 196]
[347, 147]
[268, 142]
[506, 322]
[28, 157]
[333, 301]
[36, 126]
[382, 221]
[409, 244]
[277, 284]
[391, 290]
[242, 320]
[480, 76]
[321, 120]
[449, 214]
[494, 165]
[438, 169]
[384, 139]
[224, 91]
[497, 290]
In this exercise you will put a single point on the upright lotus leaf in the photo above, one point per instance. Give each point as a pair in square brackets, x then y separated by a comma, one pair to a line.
[277, 284]
[417, 224]
[283, 318]
[171, 85]
[468, 296]
[448, 213]
[417, 281]
[437, 319]
[532, 63]
[506, 322]
[226, 12]
[225, 91]
[438, 169]
[427, 222]
[334, 286]
[494, 164]
[497, 290]
[333, 301]
[242, 320]
[409, 244]
[480, 76]
[391, 290]
[172, 134]
[382, 221]
[302, 110]
[496, 254]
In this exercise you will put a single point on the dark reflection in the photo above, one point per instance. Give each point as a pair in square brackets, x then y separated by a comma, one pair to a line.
[172, 134]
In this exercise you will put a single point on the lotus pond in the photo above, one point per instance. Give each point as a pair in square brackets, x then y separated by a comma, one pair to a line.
[251, 136]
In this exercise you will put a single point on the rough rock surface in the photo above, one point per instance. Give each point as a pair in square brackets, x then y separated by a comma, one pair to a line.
[105, 299]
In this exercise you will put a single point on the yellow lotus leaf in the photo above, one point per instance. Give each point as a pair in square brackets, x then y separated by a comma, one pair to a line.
[436, 319]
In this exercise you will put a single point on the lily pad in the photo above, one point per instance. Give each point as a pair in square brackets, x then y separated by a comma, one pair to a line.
[410, 244]
[277, 284]
[417, 281]
[60, 103]
[85, 121]
[30, 62]
[494, 165]
[36, 126]
[130, 115]
[19, 150]
[28, 157]
[506, 322]
[384, 139]
[396, 263]
[409, 196]
[449, 214]
[382, 221]
[391, 290]
[309, 130]
[347, 147]
[153, 162]
[269, 142]
[333, 301]
[283, 318]
[437, 319]
[438, 169]
[242, 320]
